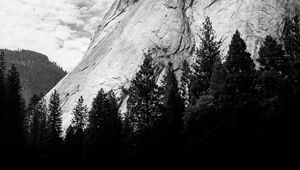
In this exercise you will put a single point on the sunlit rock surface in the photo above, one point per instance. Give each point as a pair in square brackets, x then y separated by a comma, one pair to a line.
[167, 30]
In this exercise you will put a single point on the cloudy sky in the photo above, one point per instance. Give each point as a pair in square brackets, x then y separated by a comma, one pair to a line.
[60, 29]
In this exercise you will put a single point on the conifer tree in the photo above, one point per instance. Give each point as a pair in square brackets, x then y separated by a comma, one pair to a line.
[144, 103]
[207, 54]
[171, 123]
[274, 82]
[34, 100]
[238, 59]
[15, 110]
[54, 121]
[173, 104]
[80, 115]
[75, 136]
[104, 130]
[37, 132]
[272, 56]
[240, 66]
[218, 79]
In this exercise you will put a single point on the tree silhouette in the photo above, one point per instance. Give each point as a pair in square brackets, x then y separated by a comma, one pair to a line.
[55, 122]
[29, 116]
[104, 131]
[173, 105]
[53, 141]
[16, 112]
[272, 56]
[75, 134]
[144, 103]
[207, 54]
[240, 66]
[37, 127]
[171, 123]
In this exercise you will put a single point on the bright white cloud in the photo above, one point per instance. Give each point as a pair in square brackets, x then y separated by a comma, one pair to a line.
[61, 29]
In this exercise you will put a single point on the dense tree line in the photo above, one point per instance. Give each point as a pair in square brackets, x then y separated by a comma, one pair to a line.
[27, 133]
[12, 111]
[37, 73]
[225, 108]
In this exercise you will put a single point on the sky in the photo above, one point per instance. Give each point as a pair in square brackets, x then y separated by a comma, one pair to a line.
[60, 29]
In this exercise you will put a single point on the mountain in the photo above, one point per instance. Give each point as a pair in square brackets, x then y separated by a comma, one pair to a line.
[37, 74]
[167, 30]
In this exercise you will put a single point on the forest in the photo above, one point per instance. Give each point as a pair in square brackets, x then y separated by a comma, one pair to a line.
[224, 108]
[37, 74]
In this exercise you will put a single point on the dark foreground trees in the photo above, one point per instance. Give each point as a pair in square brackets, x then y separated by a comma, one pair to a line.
[247, 114]
[206, 55]
[15, 110]
[12, 113]
[74, 139]
[44, 132]
[239, 113]
[103, 135]
[144, 107]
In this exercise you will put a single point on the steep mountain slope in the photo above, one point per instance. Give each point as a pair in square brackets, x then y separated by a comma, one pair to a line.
[37, 73]
[166, 29]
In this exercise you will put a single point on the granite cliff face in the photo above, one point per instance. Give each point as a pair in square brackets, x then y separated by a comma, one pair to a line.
[166, 29]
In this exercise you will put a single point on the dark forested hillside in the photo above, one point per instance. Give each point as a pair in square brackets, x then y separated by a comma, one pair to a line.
[37, 73]
[226, 111]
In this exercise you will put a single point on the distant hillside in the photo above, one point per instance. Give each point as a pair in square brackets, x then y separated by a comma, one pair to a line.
[37, 73]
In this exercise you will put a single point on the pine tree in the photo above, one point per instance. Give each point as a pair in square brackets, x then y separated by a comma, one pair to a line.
[218, 79]
[171, 122]
[75, 136]
[144, 103]
[80, 115]
[173, 104]
[15, 110]
[272, 56]
[54, 124]
[30, 114]
[238, 59]
[273, 82]
[37, 128]
[104, 130]
[207, 54]
[79, 120]
[240, 66]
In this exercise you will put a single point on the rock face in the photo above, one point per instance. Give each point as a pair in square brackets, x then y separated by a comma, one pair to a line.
[166, 29]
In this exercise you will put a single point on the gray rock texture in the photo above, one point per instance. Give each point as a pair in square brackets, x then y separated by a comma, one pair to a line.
[166, 29]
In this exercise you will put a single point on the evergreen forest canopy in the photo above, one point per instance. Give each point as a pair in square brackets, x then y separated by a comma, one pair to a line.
[38, 75]
[221, 111]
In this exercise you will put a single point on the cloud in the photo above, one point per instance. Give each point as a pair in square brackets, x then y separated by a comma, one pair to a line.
[61, 29]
